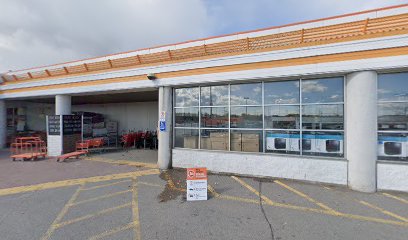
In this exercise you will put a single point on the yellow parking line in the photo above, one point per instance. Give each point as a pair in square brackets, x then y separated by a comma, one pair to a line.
[72, 182]
[318, 211]
[112, 231]
[64, 211]
[122, 162]
[171, 184]
[106, 185]
[384, 211]
[135, 210]
[267, 200]
[212, 191]
[305, 196]
[101, 197]
[105, 211]
[240, 199]
[169, 180]
[396, 198]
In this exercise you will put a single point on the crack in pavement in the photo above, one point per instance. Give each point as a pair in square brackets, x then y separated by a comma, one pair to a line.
[263, 211]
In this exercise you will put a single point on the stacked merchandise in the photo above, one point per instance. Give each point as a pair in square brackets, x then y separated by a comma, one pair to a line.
[94, 124]
[87, 127]
[241, 142]
[112, 129]
[16, 122]
[219, 141]
[245, 142]
[191, 142]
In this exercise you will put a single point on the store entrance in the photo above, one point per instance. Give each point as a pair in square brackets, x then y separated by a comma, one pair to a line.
[118, 126]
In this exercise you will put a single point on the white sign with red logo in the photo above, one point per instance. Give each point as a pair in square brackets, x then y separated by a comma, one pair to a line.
[196, 184]
[162, 116]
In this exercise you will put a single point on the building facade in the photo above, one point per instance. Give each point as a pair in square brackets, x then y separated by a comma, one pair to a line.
[323, 101]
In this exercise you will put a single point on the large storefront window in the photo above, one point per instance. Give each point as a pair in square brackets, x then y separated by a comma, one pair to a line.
[186, 117]
[393, 116]
[282, 117]
[303, 117]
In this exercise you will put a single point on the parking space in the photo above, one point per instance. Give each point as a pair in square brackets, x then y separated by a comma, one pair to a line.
[147, 204]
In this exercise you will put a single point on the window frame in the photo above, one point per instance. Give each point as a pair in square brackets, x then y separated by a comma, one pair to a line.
[392, 132]
[263, 129]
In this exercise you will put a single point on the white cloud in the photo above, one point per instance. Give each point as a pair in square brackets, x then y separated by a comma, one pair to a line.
[313, 86]
[35, 33]
[42, 32]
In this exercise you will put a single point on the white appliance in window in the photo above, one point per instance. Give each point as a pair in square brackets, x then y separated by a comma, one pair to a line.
[282, 142]
[329, 143]
[390, 146]
[308, 144]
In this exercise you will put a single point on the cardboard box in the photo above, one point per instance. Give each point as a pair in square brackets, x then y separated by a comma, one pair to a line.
[250, 136]
[236, 136]
[205, 143]
[219, 146]
[219, 141]
[218, 135]
[236, 145]
[191, 142]
[250, 146]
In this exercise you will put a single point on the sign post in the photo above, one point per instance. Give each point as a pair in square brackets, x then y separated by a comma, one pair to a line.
[196, 184]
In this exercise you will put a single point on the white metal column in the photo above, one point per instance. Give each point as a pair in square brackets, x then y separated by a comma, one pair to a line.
[165, 137]
[361, 130]
[62, 105]
[3, 123]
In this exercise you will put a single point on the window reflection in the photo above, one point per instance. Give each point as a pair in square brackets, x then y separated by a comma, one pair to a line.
[246, 94]
[216, 117]
[186, 138]
[214, 96]
[186, 117]
[283, 117]
[393, 116]
[246, 117]
[186, 97]
[323, 116]
[393, 87]
[281, 92]
[322, 90]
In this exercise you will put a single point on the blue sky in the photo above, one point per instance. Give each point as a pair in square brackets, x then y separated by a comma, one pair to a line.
[42, 32]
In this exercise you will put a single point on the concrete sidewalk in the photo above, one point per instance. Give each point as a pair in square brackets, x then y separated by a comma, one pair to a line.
[22, 173]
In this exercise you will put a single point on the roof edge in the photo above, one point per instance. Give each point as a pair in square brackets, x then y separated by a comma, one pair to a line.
[212, 37]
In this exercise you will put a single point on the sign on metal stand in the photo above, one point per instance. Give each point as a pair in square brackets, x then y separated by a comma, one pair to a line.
[196, 184]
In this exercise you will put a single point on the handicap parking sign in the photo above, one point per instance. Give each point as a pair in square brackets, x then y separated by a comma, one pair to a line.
[162, 126]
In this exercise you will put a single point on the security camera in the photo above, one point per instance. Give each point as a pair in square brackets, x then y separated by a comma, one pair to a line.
[151, 76]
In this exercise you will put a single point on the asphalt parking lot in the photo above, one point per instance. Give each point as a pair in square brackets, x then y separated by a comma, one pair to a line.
[144, 203]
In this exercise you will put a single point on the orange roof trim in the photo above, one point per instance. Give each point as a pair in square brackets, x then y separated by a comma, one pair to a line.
[305, 35]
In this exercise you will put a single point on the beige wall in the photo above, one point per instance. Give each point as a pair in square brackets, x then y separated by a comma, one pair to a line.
[136, 115]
